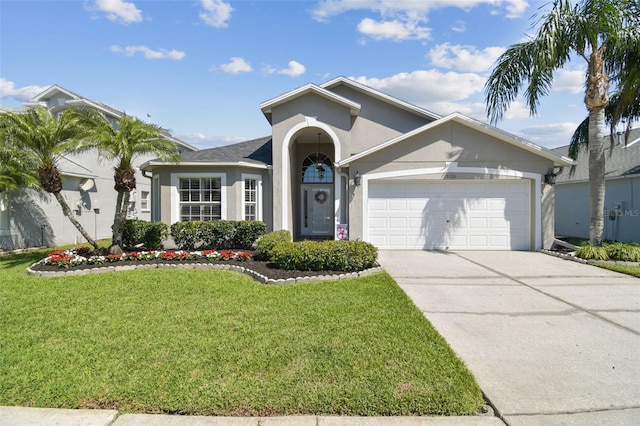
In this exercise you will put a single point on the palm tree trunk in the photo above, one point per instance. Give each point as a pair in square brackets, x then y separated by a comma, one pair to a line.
[118, 223]
[596, 175]
[68, 213]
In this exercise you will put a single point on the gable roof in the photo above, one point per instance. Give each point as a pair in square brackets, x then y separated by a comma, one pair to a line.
[267, 106]
[471, 123]
[621, 161]
[380, 96]
[78, 100]
[255, 153]
[75, 100]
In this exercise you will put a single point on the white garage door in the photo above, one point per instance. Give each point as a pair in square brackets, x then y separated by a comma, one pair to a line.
[455, 215]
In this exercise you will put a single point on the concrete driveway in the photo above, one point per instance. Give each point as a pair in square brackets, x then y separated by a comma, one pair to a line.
[550, 341]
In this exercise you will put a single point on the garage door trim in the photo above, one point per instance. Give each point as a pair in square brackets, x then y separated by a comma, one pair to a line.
[454, 168]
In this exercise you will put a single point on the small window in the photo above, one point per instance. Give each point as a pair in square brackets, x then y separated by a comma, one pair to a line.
[144, 201]
[250, 199]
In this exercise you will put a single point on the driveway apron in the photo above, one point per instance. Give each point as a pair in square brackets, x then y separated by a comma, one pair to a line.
[550, 341]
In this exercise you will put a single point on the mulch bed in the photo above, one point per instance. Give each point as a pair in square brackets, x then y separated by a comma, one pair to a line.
[266, 269]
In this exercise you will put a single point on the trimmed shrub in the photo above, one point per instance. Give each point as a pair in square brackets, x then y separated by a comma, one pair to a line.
[267, 242]
[247, 233]
[186, 234]
[217, 234]
[332, 255]
[149, 234]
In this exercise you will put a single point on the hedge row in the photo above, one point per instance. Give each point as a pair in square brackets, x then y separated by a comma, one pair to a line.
[330, 255]
[149, 234]
[217, 234]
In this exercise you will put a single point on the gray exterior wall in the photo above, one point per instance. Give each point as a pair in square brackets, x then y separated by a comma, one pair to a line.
[33, 219]
[233, 190]
[572, 209]
[453, 142]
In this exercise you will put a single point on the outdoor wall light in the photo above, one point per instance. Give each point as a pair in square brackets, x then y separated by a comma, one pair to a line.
[357, 178]
[550, 177]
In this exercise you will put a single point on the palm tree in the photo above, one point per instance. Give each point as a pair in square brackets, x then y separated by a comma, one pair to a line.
[16, 169]
[596, 31]
[123, 142]
[42, 140]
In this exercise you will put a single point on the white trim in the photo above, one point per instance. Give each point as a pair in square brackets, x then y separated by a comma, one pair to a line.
[286, 167]
[454, 168]
[477, 125]
[151, 163]
[147, 199]
[258, 179]
[175, 193]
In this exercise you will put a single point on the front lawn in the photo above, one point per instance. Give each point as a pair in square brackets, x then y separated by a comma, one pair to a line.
[633, 270]
[216, 342]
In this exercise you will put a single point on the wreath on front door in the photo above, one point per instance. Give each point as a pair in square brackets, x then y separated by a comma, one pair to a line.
[321, 197]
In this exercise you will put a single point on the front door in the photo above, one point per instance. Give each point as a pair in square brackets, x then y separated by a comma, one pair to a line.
[317, 210]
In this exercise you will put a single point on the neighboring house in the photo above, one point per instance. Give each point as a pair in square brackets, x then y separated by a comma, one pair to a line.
[622, 193]
[345, 159]
[30, 218]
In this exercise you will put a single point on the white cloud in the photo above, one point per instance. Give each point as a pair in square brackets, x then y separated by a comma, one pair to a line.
[174, 55]
[464, 58]
[294, 69]
[236, 66]
[569, 81]
[553, 134]
[216, 13]
[427, 87]
[119, 11]
[8, 89]
[402, 20]
[459, 26]
[395, 30]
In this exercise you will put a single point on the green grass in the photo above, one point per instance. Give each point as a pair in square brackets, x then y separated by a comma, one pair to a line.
[218, 343]
[625, 269]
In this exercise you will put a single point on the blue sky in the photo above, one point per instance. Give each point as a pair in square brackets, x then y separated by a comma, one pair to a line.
[201, 68]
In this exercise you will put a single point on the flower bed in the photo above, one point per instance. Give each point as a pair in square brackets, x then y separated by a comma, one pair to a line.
[82, 256]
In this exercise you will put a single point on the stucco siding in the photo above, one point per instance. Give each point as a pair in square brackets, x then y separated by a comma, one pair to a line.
[378, 121]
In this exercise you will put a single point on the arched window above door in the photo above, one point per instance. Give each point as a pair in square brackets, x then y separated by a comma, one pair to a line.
[317, 168]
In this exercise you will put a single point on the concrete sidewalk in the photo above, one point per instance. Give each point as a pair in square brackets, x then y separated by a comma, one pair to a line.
[19, 416]
[550, 341]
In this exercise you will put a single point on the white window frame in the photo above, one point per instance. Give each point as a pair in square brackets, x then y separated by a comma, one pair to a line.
[258, 179]
[175, 192]
[144, 201]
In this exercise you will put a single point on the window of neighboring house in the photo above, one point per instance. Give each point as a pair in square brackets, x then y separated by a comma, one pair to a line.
[144, 201]
[251, 197]
[4, 216]
[200, 198]
[132, 213]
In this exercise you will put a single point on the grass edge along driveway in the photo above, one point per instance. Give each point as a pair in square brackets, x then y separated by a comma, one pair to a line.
[218, 343]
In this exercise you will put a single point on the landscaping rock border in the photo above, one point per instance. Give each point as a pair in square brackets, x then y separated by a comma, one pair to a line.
[246, 270]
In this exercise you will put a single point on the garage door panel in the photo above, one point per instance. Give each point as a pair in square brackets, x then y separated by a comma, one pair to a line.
[455, 215]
